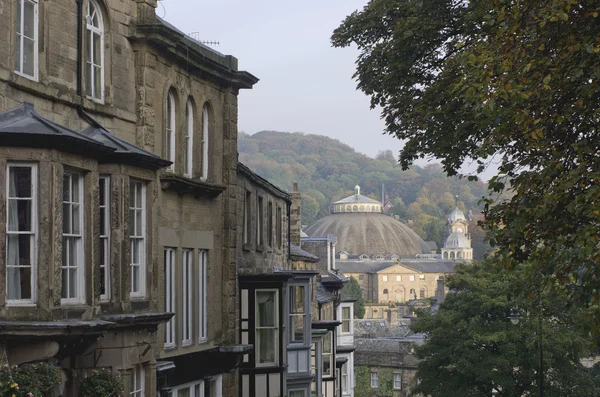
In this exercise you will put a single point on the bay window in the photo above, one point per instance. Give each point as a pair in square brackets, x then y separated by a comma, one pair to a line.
[137, 237]
[170, 296]
[21, 232]
[26, 40]
[188, 294]
[104, 216]
[267, 328]
[72, 246]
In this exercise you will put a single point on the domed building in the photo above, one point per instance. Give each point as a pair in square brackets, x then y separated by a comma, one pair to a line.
[458, 243]
[363, 230]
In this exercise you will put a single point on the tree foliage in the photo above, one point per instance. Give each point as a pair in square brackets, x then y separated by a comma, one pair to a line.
[518, 81]
[352, 290]
[327, 170]
[471, 347]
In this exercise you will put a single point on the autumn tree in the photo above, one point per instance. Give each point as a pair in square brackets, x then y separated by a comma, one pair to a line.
[517, 82]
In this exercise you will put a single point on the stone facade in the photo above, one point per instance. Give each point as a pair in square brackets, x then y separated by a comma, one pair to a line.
[144, 63]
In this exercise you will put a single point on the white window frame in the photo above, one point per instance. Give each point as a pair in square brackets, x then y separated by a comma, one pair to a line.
[344, 372]
[137, 237]
[187, 323]
[90, 62]
[78, 238]
[192, 386]
[205, 138]
[303, 315]
[188, 140]
[276, 327]
[138, 381]
[20, 38]
[397, 381]
[202, 296]
[215, 386]
[170, 130]
[348, 320]
[398, 278]
[105, 236]
[33, 233]
[170, 297]
[421, 277]
[411, 277]
[384, 278]
[374, 380]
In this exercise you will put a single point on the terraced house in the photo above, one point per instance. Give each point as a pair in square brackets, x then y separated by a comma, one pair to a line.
[118, 154]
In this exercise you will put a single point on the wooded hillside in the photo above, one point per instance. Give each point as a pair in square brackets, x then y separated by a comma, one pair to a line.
[327, 170]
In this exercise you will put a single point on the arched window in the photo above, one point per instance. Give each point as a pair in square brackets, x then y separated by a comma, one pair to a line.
[188, 139]
[170, 130]
[348, 209]
[459, 255]
[422, 293]
[94, 52]
[355, 208]
[362, 208]
[385, 295]
[445, 255]
[451, 255]
[205, 130]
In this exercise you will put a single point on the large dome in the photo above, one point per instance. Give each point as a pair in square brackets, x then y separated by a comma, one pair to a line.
[370, 234]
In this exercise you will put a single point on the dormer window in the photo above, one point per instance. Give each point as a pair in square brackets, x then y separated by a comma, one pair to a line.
[94, 52]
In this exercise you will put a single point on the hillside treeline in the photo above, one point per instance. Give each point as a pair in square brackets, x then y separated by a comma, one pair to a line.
[327, 170]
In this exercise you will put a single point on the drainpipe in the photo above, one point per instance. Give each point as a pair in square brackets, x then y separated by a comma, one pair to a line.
[80, 111]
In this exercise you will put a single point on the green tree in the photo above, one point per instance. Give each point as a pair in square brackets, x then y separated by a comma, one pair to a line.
[472, 348]
[352, 290]
[517, 82]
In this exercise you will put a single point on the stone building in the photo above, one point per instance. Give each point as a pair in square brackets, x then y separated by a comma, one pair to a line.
[385, 363]
[118, 136]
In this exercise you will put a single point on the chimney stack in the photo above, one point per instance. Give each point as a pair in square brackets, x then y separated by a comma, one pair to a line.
[295, 217]
[440, 293]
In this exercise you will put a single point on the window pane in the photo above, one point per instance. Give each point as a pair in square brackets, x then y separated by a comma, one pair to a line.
[18, 47]
[20, 182]
[97, 82]
[76, 220]
[297, 328]
[265, 345]
[72, 282]
[131, 222]
[297, 299]
[29, 19]
[18, 283]
[266, 309]
[138, 223]
[345, 313]
[19, 216]
[75, 188]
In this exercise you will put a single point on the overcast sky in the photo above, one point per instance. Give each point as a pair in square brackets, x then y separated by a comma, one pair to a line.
[305, 84]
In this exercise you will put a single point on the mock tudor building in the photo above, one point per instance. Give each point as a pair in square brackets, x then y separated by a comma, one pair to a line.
[118, 142]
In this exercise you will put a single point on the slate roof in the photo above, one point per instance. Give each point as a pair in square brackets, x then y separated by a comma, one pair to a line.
[362, 266]
[429, 266]
[24, 127]
[380, 328]
[432, 245]
[298, 253]
[324, 296]
[123, 150]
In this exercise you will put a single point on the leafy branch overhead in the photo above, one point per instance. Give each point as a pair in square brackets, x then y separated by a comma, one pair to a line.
[514, 81]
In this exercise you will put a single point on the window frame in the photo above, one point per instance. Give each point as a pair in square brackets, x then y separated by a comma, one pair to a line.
[303, 315]
[260, 212]
[215, 386]
[348, 321]
[141, 238]
[247, 217]
[188, 140]
[397, 378]
[138, 379]
[170, 296]
[187, 314]
[384, 278]
[202, 296]
[21, 38]
[345, 378]
[99, 31]
[105, 238]
[33, 233]
[329, 354]
[398, 277]
[270, 223]
[374, 380]
[170, 129]
[279, 226]
[205, 140]
[276, 327]
[79, 297]
[190, 386]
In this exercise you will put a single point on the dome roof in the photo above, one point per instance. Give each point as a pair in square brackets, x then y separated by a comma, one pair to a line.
[456, 215]
[457, 240]
[369, 233]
